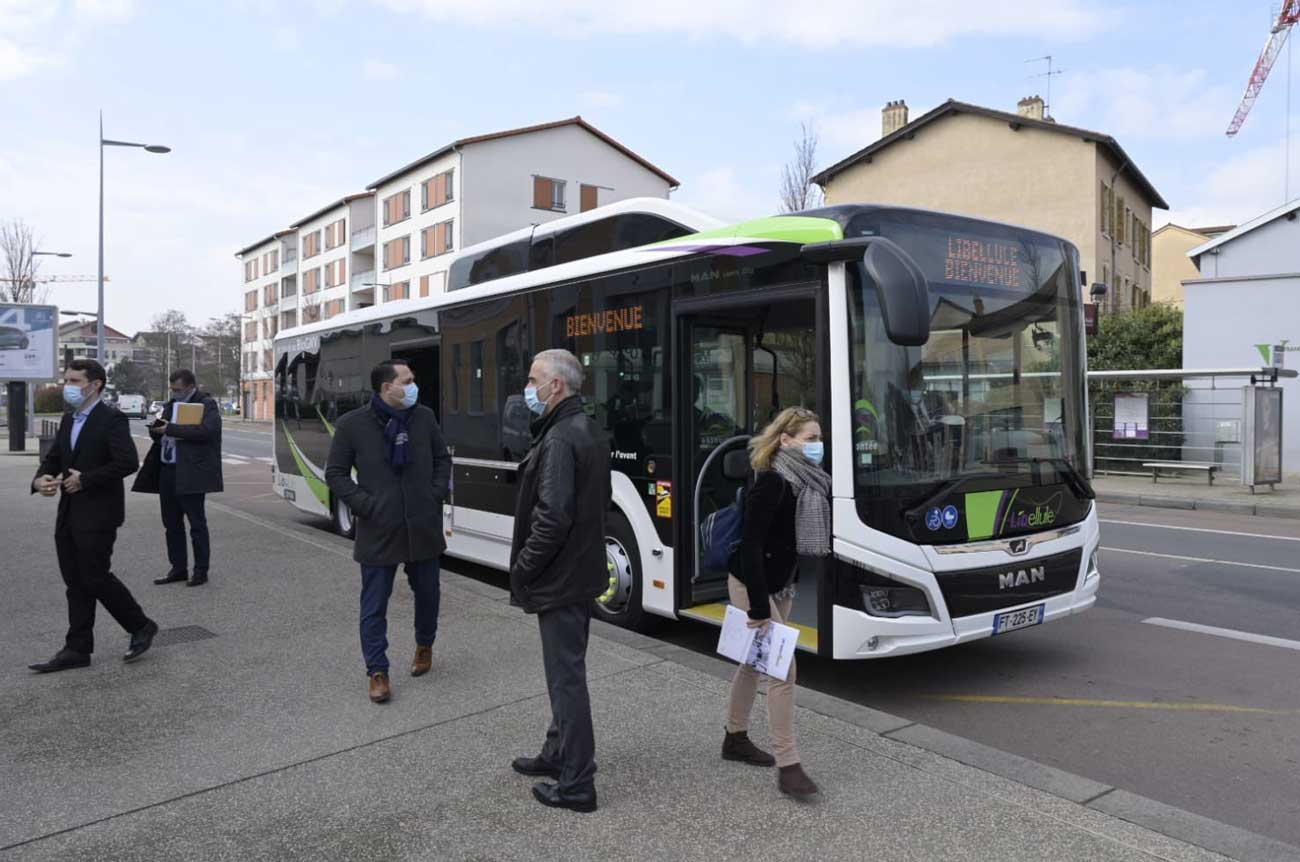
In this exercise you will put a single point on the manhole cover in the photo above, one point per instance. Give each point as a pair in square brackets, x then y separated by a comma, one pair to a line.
[182, 635]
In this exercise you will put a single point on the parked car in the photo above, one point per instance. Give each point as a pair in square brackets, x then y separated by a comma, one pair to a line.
[133, 405]
[13, 338]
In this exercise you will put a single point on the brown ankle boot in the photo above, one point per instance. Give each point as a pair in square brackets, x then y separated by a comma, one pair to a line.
[380, 691]
[736, 746]
[423, 660]
[793, 781]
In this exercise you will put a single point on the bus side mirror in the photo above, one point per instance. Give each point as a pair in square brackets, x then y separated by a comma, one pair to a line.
[902, 291]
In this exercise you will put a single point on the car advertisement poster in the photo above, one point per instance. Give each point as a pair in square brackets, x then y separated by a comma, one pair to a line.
[27, 342]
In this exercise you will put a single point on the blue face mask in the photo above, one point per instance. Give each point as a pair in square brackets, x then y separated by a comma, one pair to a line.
[814, 452]
[73, 395]
[535, 404]
[410, 394]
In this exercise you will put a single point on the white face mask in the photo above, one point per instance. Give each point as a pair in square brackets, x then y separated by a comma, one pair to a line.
[535, 403]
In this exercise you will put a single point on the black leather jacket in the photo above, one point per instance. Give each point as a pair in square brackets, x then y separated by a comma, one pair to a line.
[558, 554]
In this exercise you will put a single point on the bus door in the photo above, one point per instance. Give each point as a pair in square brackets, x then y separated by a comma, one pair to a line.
[740, 366]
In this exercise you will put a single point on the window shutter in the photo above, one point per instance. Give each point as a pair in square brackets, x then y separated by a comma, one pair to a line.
[587, 198]
[542, 193]
[424, 285]
[448, 243]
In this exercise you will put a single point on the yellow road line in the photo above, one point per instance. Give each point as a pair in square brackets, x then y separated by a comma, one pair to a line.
[1114, 704]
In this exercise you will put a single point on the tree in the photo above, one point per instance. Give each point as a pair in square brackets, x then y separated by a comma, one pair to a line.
[220, 355]
[131, 378]
[798, 192]
[1150, 337]
[21, 266]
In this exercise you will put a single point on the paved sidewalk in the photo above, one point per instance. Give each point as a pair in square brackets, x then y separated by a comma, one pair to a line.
[251, 738]
[1194, 492]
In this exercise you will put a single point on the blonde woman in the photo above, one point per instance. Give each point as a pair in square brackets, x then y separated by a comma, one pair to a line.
[787, 514]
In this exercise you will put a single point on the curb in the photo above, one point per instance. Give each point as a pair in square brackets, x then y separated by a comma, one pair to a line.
[1263, 510]
[1231, 841]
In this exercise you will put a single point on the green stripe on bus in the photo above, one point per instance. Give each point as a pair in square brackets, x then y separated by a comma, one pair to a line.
[800, 229]
[328, 426]
[981, 512]
[317, 486]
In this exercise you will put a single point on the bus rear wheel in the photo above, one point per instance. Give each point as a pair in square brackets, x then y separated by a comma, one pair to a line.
[341, 514]
[620, 604]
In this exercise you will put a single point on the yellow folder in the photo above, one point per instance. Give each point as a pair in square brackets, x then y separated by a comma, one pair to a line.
[188, 414]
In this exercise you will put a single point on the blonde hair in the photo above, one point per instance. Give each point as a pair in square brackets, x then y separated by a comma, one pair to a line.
[763, 445]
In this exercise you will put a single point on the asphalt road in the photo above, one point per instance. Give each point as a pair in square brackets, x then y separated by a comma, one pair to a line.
[1205, 719]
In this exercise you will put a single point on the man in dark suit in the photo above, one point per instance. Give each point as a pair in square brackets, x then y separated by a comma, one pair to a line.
[182, 467]
[91, 455]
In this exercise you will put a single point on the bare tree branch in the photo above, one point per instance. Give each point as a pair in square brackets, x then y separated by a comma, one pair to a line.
[798, 192]
[17, 244]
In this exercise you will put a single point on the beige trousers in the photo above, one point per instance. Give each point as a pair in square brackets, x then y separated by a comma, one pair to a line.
[780, 694]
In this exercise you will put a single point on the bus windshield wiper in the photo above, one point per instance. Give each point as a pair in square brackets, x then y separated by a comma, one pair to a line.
[1073, 478]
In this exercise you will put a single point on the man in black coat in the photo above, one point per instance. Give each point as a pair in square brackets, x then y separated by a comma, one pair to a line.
[91, 455]
[182, 467]
[403, 473]
[558, 566]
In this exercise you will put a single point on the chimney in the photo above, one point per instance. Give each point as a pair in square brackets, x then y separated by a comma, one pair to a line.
[1031, 107]
[893, 117]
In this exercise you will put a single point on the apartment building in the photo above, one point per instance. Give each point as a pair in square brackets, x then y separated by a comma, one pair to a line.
[396, 240]
[1170, 266]
[1023, 168]
[79, 339]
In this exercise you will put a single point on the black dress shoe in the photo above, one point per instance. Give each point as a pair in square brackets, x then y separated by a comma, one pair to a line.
[141, 641]
[197, 579]
[63, 660]
[551, 796]
[171, 578]
[536, 767]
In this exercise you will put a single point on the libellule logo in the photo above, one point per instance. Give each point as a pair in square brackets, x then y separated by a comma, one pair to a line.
[1273, 354]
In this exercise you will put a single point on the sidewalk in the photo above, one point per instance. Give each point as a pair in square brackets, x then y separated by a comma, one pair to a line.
[246, 734]
[1194, 492]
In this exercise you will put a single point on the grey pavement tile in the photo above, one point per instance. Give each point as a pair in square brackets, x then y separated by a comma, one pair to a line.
[1237, 843]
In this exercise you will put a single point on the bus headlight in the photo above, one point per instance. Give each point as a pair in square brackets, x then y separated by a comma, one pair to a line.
[895, 601]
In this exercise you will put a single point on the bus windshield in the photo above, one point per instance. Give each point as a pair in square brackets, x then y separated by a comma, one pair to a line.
[995, 398]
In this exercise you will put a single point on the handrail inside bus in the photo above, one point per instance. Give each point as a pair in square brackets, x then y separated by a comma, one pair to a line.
[724, 446]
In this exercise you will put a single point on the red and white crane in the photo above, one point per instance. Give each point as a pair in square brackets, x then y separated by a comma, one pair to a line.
[1289, 15]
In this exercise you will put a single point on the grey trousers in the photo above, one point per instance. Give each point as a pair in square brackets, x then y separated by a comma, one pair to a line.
[570, 740]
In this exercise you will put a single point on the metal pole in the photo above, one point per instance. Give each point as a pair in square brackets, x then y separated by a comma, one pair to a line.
[99, 335]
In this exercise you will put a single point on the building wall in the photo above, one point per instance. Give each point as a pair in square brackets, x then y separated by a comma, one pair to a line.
[978, 166]
[1267, 250]
[1223, 322]
[498, 178]
[258, 375]
[1128, 269]
[326, 257]
[435, 266]
[1170, 265]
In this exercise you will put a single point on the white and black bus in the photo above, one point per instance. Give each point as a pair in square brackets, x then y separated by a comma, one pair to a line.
[945, 356]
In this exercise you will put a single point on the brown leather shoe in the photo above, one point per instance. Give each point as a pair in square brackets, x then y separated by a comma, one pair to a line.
[423, 660]
[380, 691]
[737, 746]
[793, 781]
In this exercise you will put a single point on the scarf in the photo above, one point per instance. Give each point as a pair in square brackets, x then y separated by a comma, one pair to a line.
[398, 453]
[812, 488]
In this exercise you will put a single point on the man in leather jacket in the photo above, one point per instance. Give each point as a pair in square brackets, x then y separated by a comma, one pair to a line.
[558, 566]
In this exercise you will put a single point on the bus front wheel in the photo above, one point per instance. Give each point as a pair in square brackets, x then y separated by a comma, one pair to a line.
[341, 514]
[620, 604]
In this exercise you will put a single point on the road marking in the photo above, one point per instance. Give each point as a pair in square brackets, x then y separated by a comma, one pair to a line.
[1112, 704]
[1249, 637]
[1201, 530]
[342, 552]
[1201, 560]
[235, 461]
[266, 460]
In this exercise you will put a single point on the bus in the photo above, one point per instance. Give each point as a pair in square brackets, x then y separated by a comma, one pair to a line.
[945, 356]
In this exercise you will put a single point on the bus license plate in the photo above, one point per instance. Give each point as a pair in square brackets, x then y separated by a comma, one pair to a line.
[1021, 619]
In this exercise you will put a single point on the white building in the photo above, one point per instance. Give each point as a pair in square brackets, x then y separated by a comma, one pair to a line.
[396, 239]
[1244, 310]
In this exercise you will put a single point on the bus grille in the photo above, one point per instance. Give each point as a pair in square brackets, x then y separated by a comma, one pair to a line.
[1016, 582]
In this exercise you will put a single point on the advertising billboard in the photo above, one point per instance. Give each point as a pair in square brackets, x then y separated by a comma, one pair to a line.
[28, 346]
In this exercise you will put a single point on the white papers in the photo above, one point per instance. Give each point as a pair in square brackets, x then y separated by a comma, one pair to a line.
[770, 654]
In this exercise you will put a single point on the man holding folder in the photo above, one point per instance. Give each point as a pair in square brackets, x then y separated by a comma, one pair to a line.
[184, 465]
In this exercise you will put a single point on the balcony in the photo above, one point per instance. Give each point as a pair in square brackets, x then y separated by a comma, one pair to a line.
[288, 262]
[359, 280]
[364, 238]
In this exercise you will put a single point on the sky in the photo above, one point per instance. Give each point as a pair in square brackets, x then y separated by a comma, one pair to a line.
[274, 109]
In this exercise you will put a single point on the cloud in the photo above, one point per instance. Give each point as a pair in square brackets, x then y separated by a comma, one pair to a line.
[378, 70]
[1156, 103]
[719, 192]
[815, 24]
[285, 39]
[105, 8]
[1242, 187]
[38, 36]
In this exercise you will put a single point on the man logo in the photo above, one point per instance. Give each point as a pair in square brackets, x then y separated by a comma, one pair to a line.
[1016, 547]
[1032, 575]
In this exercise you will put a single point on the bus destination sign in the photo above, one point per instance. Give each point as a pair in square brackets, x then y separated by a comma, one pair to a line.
[982, 261]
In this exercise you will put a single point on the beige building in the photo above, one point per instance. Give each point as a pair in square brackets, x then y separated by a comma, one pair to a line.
[1020, 168]
[1170, 265]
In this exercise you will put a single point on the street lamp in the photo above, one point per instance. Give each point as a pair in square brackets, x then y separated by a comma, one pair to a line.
[52, 253]
[103, 142]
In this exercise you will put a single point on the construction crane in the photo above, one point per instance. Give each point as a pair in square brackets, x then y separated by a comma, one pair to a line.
[55, 279]
[1289, 15]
